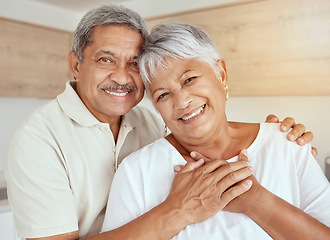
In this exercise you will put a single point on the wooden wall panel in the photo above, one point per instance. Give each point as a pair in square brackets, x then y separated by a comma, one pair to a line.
[33, 60]
[272, 47]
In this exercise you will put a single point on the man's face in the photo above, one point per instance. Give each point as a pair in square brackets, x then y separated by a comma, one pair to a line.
[108, 79]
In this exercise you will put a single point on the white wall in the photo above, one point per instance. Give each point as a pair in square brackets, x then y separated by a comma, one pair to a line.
[313, 112]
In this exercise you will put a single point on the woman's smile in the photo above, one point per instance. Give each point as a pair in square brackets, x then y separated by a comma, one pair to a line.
[193, 115]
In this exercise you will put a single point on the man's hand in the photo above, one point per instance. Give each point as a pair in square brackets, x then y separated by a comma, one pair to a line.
[201, 193]
[297, 133]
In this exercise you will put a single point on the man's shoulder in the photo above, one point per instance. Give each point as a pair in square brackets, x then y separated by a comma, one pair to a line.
[148, 118]
[46, 115]
[158, 150]
[145, 112]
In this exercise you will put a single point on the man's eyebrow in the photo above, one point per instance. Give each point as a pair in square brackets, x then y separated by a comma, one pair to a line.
[104, 52]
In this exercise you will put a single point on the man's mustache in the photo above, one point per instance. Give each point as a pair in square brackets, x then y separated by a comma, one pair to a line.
[118, 88]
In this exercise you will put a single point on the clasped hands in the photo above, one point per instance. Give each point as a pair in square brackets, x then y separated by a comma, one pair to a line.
[203, 187]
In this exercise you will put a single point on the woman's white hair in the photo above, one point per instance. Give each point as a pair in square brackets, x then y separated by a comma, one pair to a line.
[177, 41]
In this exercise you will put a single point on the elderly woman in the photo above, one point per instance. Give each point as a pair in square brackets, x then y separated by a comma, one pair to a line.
[187, 81]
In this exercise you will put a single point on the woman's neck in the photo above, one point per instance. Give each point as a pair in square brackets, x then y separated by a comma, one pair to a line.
[225, 145]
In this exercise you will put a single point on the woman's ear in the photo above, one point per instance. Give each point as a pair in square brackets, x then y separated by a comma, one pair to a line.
[223, 72]
[74, 64]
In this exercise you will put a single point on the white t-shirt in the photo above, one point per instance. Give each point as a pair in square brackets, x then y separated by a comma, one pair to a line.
[288, 170]
[61, 163]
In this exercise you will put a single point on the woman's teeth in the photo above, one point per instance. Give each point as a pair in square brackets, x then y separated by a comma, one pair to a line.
[119, 94]
[198, 111]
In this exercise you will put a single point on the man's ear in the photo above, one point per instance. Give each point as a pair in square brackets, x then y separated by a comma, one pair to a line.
[223, 72]
[74, 64]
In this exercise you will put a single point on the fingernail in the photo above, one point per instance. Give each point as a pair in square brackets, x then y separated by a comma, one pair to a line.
[290, 137]
[284, 128]
[244, 152]
[177, 168]
[248, 183]
[193, 154]
[300, 140]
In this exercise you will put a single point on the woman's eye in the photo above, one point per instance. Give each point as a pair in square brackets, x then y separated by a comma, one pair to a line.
[162, 96]
[189, 80]
[135, 64]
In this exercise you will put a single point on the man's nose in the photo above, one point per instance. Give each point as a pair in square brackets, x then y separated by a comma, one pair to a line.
[121, 75]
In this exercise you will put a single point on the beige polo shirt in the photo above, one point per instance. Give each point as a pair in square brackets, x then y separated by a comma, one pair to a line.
[61, 163]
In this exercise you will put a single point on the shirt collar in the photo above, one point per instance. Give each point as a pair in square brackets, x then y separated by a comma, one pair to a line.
[72, 105]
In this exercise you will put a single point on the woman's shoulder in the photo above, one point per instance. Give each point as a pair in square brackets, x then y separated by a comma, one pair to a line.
[270, 136]
[156, 153]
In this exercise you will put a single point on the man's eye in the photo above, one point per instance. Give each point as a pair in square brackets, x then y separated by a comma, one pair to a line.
[106, 60]
[162, 96]
[135, 64]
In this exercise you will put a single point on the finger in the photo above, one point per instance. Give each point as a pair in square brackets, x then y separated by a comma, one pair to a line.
[231, 173]
[196, 156]
[236, 191]
[287, 123]
[213, 165]
[178, 168]
[271, 118]
[297, 131]
[243, 156]
[314, 151]
[190, 166]
[307, 137]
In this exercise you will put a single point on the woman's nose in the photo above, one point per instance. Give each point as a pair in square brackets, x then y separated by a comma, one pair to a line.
[182, 99]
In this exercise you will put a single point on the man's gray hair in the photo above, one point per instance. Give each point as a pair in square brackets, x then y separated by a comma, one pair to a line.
[178, 41]
[105, 15]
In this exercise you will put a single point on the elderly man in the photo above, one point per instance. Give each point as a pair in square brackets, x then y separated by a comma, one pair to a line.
[62, 159]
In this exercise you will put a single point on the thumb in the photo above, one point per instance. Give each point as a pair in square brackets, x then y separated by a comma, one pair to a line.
[197, 156]
[243, 156]
[190, 166]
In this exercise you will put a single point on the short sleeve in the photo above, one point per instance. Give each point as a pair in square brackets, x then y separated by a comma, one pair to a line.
[38, 187]
[314, 187]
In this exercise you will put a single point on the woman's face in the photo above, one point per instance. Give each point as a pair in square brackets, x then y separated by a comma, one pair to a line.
[191, 98]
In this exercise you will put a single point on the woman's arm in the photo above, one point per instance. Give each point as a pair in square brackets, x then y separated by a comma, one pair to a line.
[278, 218]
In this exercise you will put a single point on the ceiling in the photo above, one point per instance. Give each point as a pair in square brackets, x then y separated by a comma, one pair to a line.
[65, 14]
[147, 8]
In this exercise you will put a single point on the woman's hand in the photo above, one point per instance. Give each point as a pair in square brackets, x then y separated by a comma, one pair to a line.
[242, 203]
[199, 192]
[297, 133]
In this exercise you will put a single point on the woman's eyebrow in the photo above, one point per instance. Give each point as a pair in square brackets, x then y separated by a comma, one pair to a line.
[158, 89]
